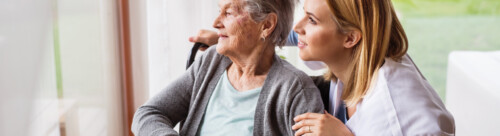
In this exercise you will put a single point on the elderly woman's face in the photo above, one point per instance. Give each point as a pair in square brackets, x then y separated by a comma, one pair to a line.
[238, 32]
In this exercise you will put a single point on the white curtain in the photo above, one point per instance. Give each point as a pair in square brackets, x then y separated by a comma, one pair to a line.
[82, 36]
[88, 40]
[27, 95]
[169, 24]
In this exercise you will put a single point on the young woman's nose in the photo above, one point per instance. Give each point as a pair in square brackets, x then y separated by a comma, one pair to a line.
[298, 28]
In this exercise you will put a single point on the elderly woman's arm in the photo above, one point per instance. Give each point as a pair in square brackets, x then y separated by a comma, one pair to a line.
[307, 100]
[160, 114]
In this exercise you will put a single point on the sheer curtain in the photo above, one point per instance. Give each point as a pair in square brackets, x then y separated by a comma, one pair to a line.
[59, 68]
[87, 37]
[27, 94]
[169, 24]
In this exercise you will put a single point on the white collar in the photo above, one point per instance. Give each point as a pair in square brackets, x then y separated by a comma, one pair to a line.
[336, 88]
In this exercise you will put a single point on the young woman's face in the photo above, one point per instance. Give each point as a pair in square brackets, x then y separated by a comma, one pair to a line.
[318, 33]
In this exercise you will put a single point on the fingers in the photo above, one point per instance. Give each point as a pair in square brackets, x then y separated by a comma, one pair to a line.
[304, 131]
[300, 132]
[205, 36]
[192, 39]
[203, 48]
[329, 115]
[307, 134]
[304, 123]
[198, 38]
[307, 116]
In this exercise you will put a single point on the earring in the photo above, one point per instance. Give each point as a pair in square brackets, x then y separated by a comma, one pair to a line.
[263, 38]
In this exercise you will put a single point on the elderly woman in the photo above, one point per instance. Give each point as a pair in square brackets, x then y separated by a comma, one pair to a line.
[240, 86]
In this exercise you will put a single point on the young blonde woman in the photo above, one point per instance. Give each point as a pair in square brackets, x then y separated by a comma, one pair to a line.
[375, 88]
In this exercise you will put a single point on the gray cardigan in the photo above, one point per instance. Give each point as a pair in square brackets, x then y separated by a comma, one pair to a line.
[286, 93]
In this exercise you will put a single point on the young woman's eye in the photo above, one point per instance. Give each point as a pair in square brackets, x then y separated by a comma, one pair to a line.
[311, 20]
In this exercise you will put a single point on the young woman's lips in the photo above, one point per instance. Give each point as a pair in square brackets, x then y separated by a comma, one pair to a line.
[301, 44]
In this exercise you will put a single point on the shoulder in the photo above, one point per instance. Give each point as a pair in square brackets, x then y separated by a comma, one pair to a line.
[403, 79]
[294, 89]
[287, 74]
[416, 107]
[291, 83]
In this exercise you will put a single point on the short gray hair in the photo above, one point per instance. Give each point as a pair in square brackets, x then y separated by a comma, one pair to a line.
[284, 9]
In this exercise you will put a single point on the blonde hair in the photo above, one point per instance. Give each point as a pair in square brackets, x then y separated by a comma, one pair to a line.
[382, 36]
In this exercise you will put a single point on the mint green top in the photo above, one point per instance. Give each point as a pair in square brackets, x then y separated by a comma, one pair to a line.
[230, 112]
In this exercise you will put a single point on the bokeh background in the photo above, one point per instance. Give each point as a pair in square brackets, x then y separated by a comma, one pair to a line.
[437, 27]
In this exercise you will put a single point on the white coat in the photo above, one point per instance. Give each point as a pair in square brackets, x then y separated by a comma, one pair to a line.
[401, 102]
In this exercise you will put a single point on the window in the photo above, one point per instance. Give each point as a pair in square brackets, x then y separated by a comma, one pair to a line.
[437, 27]
[59, 68]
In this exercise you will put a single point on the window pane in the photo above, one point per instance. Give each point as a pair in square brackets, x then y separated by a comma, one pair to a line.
[437, 27]
[89, 67]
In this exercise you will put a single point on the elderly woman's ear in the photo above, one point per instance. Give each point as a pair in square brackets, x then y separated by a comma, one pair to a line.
[269, 24]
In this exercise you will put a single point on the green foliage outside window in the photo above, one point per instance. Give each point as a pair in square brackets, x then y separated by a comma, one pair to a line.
[437, 27]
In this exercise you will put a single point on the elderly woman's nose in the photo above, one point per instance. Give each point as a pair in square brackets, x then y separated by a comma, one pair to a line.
[217, 24]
